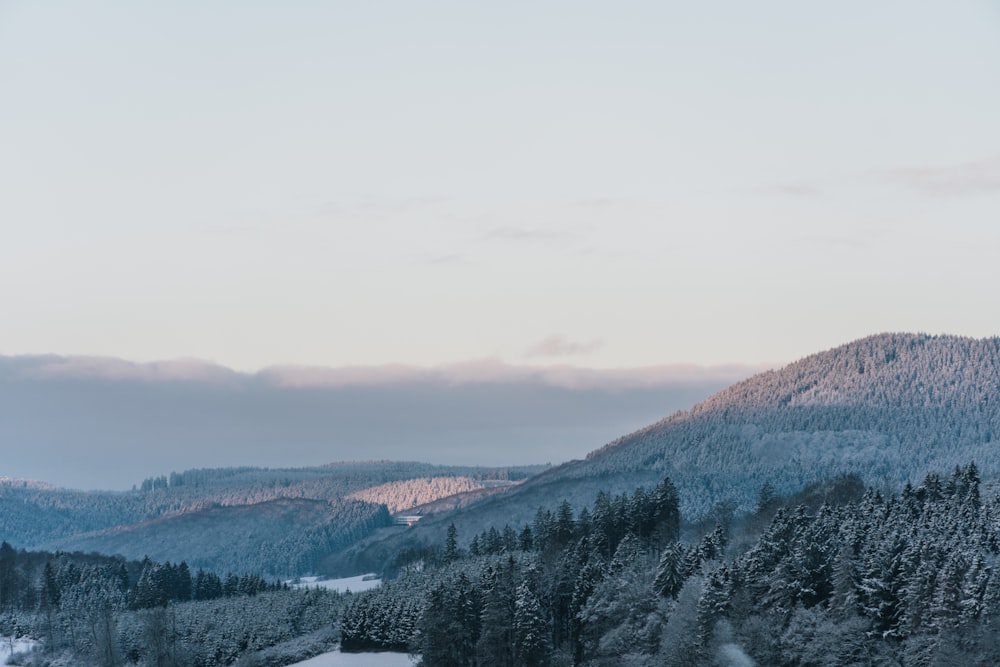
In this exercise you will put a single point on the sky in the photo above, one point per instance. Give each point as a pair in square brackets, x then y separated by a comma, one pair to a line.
[598, 184]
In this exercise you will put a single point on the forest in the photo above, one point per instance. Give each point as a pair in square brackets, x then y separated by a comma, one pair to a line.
[88, 609]
[279, 522]
[836, 575]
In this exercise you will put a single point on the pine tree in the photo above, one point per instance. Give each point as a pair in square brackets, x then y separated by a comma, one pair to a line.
[496, 641]
[525, 541]
[712, 605]
[531, 646]
[671, 573]
[451, 545]
[667, 511]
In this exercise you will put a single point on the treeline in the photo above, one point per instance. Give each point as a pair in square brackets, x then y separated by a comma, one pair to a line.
[515, 596]
[280, 538]
[907, 579]
[32, 514]
[32, 581]
[109, 611]
[347, 476]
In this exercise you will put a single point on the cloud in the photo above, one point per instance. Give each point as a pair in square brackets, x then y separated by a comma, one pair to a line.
[95, 422]
[304, 377]
[792, 189]
[525, 235]
[447, 258]
[487, 371]
[495, 372]
[979, 177]
[109, 368]
[558, 346]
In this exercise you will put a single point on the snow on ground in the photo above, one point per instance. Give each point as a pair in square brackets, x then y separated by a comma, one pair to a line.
[10, 646]
[364, 582]
[338, 659]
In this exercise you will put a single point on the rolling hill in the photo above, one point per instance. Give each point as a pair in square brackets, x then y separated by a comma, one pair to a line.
[890, 407]
[281, 522]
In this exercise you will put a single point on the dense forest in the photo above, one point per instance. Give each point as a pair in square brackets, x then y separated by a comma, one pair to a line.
[98, 610]
[846, 577]
[892, 407]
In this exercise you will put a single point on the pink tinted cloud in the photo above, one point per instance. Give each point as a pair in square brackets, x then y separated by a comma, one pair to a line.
[109, 368]
[559, 346]
[492, 371]
[982, 176]
[480, 371]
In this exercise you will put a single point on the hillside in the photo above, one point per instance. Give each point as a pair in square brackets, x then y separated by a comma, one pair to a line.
[275, 521]
[274, 538]
[890, 408]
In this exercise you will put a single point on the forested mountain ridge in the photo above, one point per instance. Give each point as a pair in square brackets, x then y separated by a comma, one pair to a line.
[890, 407]
[296, 516]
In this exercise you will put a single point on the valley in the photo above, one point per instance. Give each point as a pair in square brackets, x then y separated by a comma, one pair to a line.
[847, 497]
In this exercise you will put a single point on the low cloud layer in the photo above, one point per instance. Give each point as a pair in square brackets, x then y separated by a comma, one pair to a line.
[483, 371]
[93, 422]
[108, 368]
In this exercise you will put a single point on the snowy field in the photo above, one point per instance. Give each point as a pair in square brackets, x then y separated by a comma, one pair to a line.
[364, 582]
[10, 646]
[338, 659]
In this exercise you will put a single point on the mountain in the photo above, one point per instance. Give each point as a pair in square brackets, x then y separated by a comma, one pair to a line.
[890, 408]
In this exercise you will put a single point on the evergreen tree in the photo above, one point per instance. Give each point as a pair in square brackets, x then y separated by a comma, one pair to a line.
[666, 503]
[531, 632]
[671, 572]
[451, 545]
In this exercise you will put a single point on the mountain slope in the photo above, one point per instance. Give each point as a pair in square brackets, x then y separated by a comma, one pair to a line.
[275, 521]
[274, 538]
[889, 407]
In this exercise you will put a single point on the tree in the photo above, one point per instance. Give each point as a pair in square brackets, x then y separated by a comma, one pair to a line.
[451, 545]
[525, 541]
[666, 503]
[671, 572]
[531, 632]
[767, 499]
[9, 589]
[496, 641]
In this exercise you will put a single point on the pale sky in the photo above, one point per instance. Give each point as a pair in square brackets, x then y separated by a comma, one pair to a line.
[602, 184]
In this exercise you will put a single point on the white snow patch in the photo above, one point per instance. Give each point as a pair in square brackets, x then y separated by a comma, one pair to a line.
[362, 582]
[338, 659]
[731, 655]
[10, 645]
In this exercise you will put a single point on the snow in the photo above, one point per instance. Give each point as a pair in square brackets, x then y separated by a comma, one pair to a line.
[363, 582]
[338, 659]
[19, 645]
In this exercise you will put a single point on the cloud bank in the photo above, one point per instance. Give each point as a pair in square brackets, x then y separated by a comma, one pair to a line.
[483, 371]
[96, 422]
